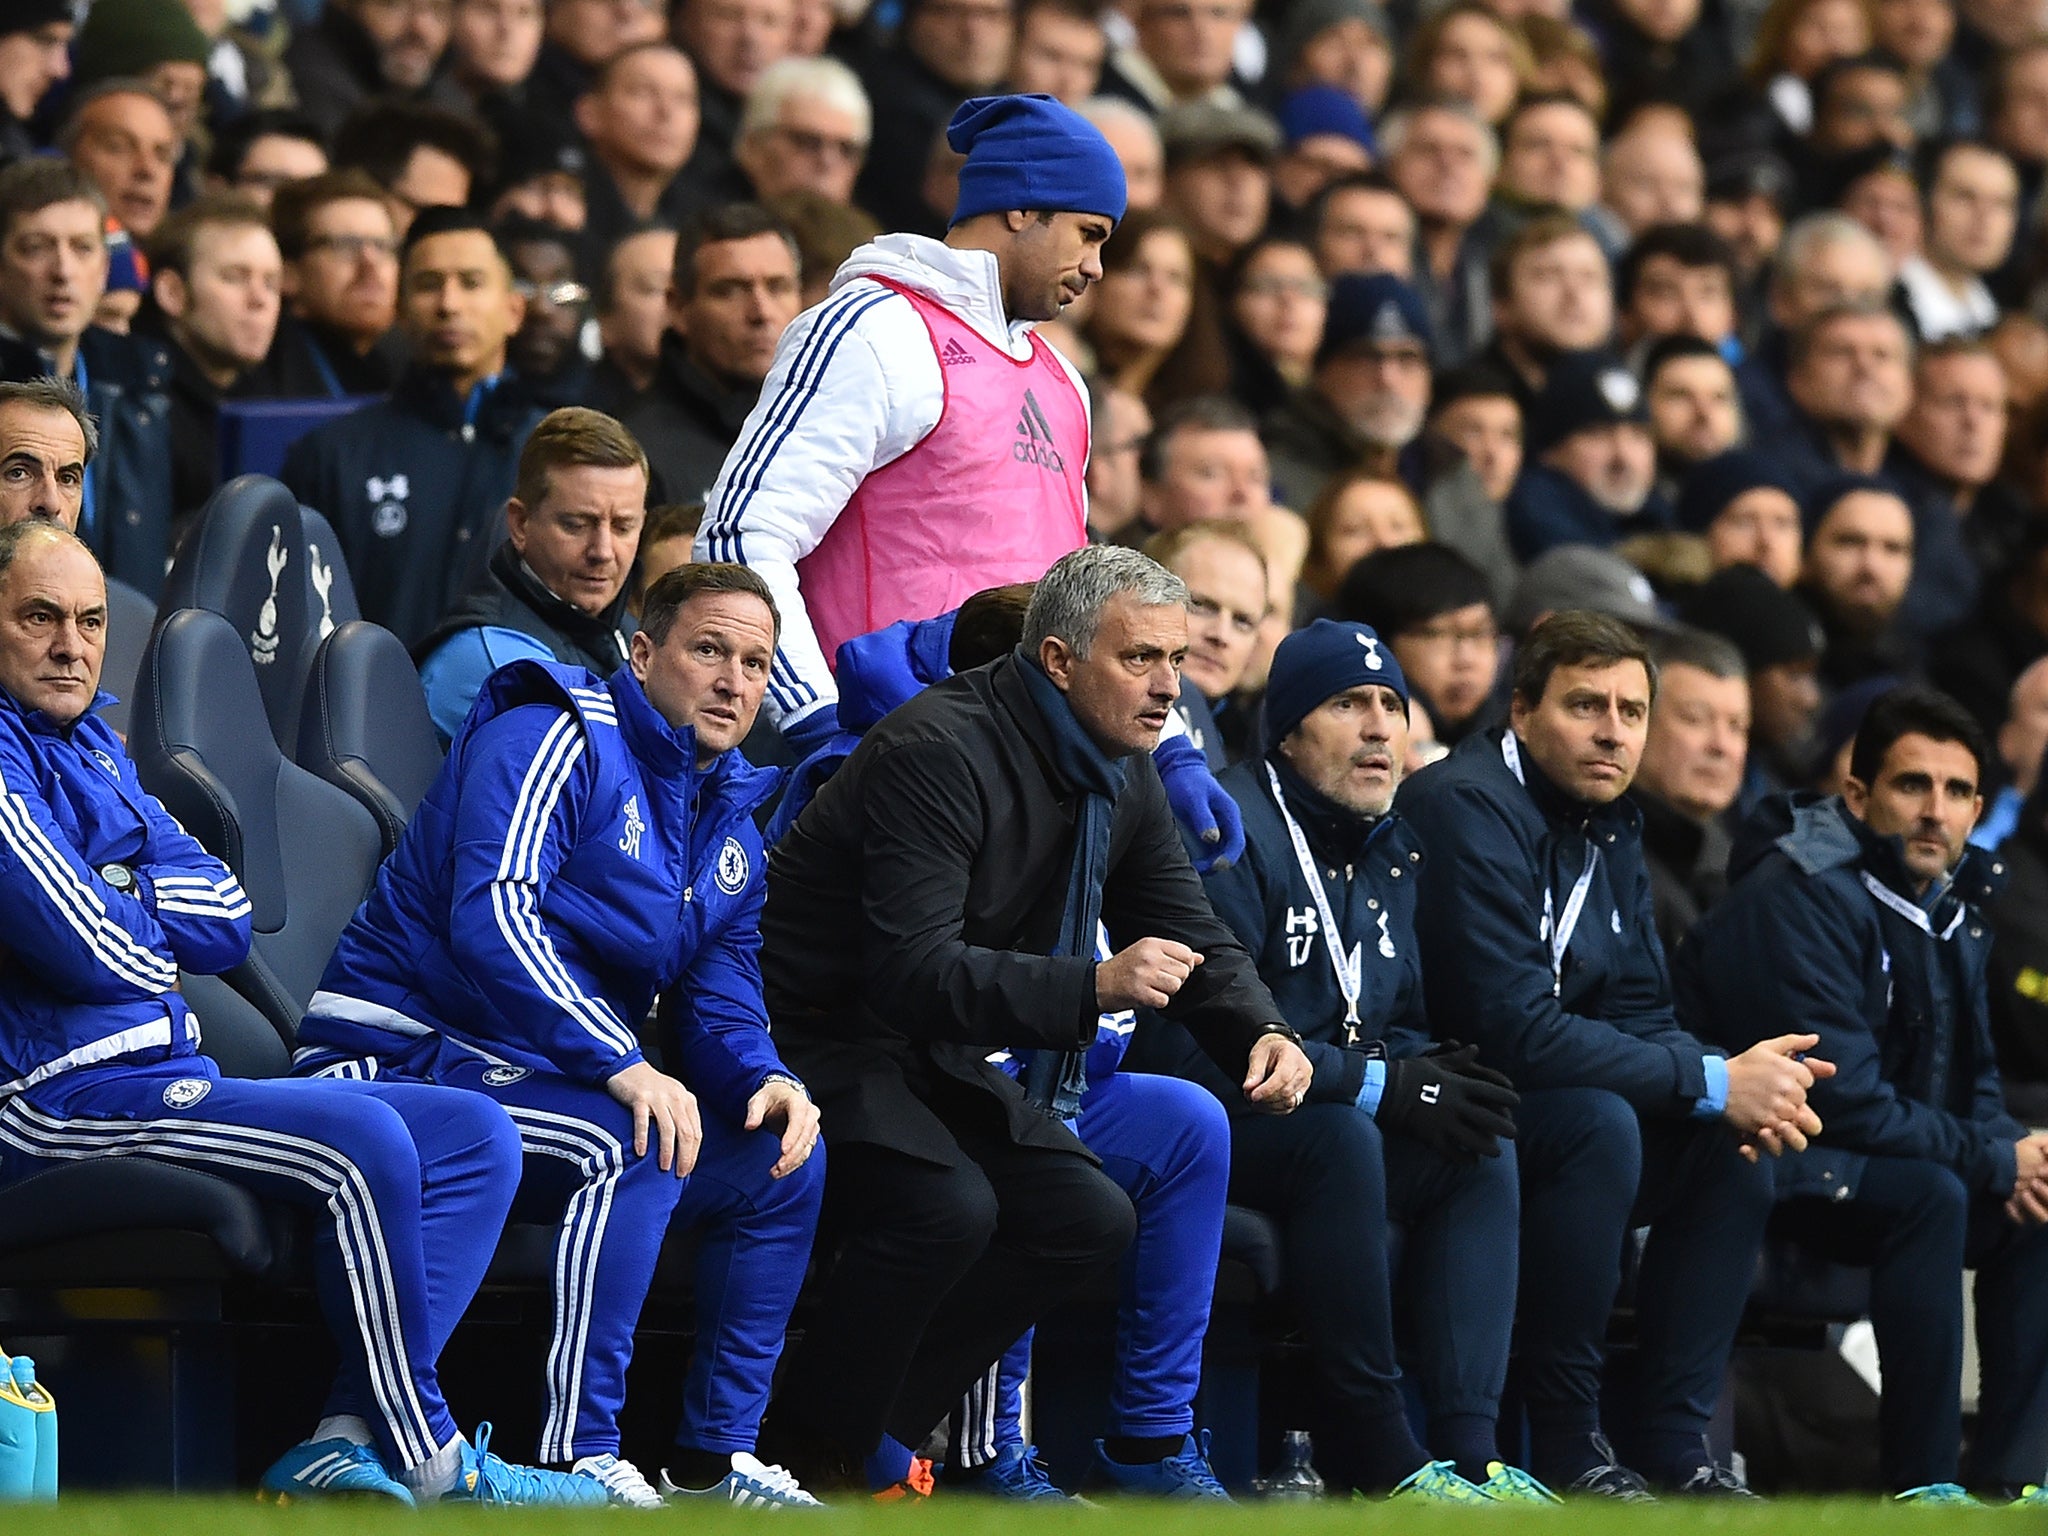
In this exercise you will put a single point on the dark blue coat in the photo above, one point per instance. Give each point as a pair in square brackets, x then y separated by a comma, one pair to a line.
[128, 382]
[415, 486]
[1369, 873]
[1804, 943]
[1547, 508]
[1504, 855]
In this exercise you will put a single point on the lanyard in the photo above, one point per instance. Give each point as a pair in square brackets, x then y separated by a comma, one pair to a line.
[1350, 969]
[1559, 933]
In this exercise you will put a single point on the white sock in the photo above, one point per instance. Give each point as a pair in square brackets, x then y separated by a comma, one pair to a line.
[434, 1477]
[344, 1426]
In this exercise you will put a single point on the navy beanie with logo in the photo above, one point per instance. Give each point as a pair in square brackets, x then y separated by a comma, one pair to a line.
[1319, 662]
[1034, 154]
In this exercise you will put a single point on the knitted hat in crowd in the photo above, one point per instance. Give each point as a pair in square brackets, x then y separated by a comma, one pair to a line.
[1770, 626]
[1032, 153]
[1319, 662]
[1713, 484]
[1323, 109]
[1372, 309]
[1309, 19]
[132, 37]
[1836, 489]
[1581, 576]
[1583, 390]
[27, 15]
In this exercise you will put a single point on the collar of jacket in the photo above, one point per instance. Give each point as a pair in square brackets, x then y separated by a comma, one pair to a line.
[1618, 817]
[1017, 697]
[1669, 833]
[1975, 879]
[671, 753]
[681, 379]
[428, 394]
[38, 723]
[1335, 834]
[595, 633]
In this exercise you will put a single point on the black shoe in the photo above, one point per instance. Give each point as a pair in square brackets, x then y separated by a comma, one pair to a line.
[1610, 1479]
[1714, 1481]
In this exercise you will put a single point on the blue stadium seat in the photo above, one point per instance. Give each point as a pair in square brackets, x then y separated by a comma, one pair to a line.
[255, 435]
[364, 725]
[272, 568]
[304, 851]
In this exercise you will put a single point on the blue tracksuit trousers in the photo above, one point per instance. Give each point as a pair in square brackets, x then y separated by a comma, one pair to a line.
[1166, 1143]
[411, 1183]
[612, 1211]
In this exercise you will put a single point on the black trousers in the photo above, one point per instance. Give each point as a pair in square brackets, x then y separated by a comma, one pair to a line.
[1591, 1171]
[940, 1270]
[1917, 1228]
[1338, 1186]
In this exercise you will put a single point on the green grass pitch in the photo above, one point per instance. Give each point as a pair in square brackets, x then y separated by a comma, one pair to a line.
[157, 1516]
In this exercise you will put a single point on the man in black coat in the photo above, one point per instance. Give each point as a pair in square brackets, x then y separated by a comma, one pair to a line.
[732, 292]
[939, 900]
[1539, 945]
[416, 484]
[1860, 918]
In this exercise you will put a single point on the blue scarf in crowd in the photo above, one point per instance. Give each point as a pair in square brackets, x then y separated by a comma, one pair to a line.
[1056, 1080]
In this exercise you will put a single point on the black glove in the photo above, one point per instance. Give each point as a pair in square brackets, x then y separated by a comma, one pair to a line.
[1448, 1102]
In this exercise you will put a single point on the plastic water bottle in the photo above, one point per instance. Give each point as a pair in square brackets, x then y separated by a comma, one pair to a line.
[17, 1442]
[1296, 1476]
[44, 1407]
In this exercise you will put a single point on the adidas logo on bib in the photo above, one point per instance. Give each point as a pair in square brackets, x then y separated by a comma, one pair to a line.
[1034, 443]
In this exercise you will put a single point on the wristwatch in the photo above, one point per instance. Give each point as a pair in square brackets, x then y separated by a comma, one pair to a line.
[120, 877]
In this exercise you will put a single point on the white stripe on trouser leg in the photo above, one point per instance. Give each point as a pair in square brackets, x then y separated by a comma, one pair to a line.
[600, 1161]
[211, 1144]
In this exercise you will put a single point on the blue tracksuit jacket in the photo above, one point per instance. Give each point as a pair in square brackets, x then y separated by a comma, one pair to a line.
[569, 863]
[89, 973]
[1822, 933]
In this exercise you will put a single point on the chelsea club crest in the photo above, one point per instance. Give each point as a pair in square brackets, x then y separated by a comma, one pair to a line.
[732, 867]
[186, 1092]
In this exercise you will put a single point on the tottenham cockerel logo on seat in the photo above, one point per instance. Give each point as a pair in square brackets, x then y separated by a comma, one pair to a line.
[263, 640]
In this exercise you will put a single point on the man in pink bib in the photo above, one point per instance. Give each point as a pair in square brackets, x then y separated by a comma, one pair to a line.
[915, 443]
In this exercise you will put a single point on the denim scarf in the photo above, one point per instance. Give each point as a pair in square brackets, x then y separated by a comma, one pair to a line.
[1055, 1080]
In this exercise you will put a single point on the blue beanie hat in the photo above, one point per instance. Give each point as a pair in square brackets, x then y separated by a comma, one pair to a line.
[1318, 109]
[1030, 152]
[1319, 662]
[1713, 484]
[1824, 497]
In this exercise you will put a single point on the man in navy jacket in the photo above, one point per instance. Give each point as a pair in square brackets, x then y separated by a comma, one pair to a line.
[1395, 1130]
[1539, 944]
[1858, 918]
[588, 846]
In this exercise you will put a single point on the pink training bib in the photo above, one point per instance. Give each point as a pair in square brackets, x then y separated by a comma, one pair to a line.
[992, 495]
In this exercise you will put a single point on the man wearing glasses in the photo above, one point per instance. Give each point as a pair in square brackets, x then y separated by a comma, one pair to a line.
[340, 248]
[805, 128]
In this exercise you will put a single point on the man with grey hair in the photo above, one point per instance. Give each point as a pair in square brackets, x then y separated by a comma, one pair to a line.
[940, 900]
[1826, 259]
[47, 438]
[805, 128]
